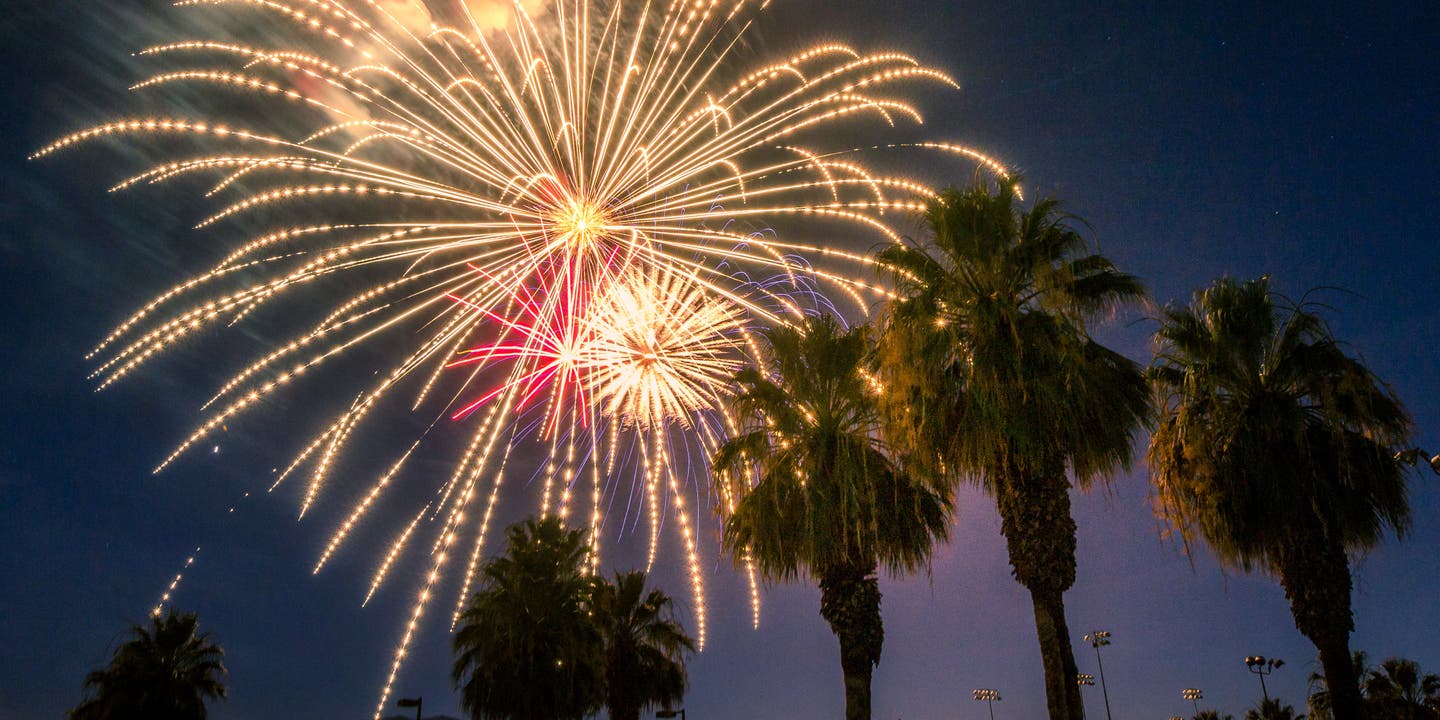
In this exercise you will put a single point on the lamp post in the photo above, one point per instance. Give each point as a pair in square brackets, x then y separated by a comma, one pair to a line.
[1194, 696]
[1262, 666]
[411, 702]
[671, 713]
[990, 696]
[1098, 639]
[1084, 679]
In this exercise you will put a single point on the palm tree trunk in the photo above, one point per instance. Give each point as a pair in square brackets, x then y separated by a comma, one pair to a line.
[624, 713]
[850, 602]
[1316, 578]
[1062, 694]
[1335, 660]
[622, 701]
[1040, 536]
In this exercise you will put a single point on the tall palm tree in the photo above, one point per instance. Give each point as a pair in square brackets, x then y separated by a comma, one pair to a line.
[644, 646]
[992, 376]
[815, 490]
[527, 648]
[1281, 452]
[1272, 709]
[167, 671]
[1399, 690]
[1319, 704]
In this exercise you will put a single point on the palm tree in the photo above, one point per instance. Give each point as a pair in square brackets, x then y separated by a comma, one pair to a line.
[1272, 709]
[644, 646]
[1212, 715]
[167, 671]
[1280, 451]
[1399, 690]
[809, 487]
[1320, 694]
[527, 648]
[992, 376]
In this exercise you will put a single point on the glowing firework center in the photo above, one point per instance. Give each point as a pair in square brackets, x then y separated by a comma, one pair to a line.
[664, 351]
[581, 223]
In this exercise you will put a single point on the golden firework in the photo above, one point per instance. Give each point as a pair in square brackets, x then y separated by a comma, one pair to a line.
[565, 204]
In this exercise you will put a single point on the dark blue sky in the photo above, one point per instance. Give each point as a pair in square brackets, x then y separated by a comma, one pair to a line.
[1234, 138]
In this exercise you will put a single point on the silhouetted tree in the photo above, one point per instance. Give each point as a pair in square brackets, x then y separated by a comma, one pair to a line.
[991, 375]
[1281, 451]
[816, 491]
[166, 671]
[527, 647]
[1212, 715]
[644, 646]
[1272, 709]
[1398, 690]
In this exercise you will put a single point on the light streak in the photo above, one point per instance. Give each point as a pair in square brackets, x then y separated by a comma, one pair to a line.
[174, 584]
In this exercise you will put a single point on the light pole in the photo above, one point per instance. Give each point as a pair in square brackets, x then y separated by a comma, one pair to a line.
[1084, 679]
[671, 713]
[411, 702]
[1194, 696]
[1262, 666]
[1098, 639]
[990, 696]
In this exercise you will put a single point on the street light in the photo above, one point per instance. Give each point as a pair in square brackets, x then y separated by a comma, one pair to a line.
[1262, 666]
[1194, 696]
[411, 702]
[1083, 679]
[1097, 639]
[671, 713]
[990, 696]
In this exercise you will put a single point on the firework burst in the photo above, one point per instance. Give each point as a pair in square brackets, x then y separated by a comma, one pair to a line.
[558, 216]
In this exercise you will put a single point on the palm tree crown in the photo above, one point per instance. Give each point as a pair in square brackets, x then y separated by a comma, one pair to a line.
[527, 647]
[1399, 689]
[1212, 715]
[1280, 451]
[167, 671]
[812, 488]
[1267, 425]
[1272, 709]
[645, 646]
[988, 337]
[991, 374]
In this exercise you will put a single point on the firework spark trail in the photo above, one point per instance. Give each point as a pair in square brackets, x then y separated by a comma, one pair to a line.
[395, 550]
[564, 197]
[174, 584]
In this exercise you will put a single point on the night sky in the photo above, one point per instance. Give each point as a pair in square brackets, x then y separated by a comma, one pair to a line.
[1232, 139]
